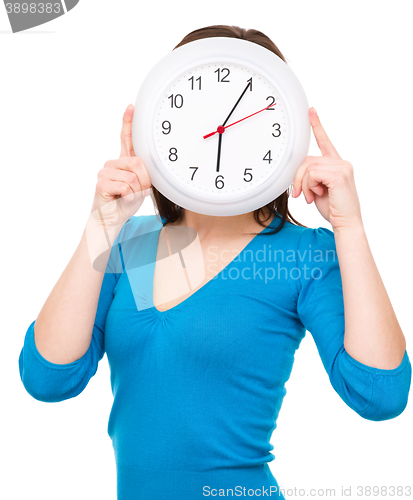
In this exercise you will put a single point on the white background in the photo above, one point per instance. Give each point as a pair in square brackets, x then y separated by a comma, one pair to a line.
[64, 87]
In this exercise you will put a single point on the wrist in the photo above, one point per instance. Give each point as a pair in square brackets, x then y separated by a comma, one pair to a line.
[104, 224]
[99, 240]
[355, 228]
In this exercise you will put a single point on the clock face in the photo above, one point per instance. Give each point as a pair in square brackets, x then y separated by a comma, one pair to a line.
[221, 125]
[198, 141]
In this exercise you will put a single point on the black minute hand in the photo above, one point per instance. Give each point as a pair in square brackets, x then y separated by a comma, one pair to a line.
[236, 104]
[219, 151]
[221, 128]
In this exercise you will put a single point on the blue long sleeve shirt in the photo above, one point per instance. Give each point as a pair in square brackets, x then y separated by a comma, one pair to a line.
[198, 388]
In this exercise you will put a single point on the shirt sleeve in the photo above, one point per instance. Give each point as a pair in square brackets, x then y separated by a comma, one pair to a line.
[373, 393]
[52, 382]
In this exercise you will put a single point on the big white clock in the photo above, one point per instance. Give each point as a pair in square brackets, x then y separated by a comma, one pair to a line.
[221, 125]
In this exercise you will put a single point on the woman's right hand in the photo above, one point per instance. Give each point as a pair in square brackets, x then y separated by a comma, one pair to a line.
[122, 184]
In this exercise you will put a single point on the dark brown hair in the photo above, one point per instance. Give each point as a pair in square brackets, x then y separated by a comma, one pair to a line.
[278, 207]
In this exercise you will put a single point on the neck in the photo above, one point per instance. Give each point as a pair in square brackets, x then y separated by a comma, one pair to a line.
[216, 226]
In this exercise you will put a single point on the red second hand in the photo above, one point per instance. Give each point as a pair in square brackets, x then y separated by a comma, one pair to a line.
[221, 130]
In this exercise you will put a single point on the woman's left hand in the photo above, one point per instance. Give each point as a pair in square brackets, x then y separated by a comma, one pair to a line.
[328, 180]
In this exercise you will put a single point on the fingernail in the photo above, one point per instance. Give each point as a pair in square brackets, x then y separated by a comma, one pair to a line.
[130, 106]
[147, 192]
[314, 111]
[293, 192]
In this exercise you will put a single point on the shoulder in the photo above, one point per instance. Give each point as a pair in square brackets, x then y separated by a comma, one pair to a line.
[313, 258]
[136, 241]
[296, 237]
[139, 225]
[318, 237]
[307, 248]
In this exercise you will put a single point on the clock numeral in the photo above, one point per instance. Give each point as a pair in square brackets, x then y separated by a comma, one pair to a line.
[267, 157]
[250, 80]
[247, 173]
[177, 101]
[221, 76]
[271, 103]
[173, 154]
[166, 126]
[219, 181]
[192, 80]
[278, 129]
[194, 172]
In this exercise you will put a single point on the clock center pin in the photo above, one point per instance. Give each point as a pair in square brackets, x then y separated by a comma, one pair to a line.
[221, 129]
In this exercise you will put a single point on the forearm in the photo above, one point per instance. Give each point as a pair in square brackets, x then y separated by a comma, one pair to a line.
[64, 326]
[372, 333]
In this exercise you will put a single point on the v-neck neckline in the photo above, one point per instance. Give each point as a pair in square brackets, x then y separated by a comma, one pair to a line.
[209, 283]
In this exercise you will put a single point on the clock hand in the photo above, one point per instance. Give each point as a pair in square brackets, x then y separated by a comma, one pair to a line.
[221, 129]
[223, 126]
[236, 104]
[219, 151]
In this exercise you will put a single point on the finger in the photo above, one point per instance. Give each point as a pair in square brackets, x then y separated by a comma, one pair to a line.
[314, 181]
[110, 188]
[322, 162]
[121, 175]
[318, 189]
[323, 141]
[308, 194]
[142, 174]
[134, 165]
[126, 133]
[299, 175]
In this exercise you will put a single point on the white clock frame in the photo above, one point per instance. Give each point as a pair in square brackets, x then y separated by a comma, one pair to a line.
[218, 50]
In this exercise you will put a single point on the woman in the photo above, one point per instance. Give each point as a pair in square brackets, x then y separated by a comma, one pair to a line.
[198, 374]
